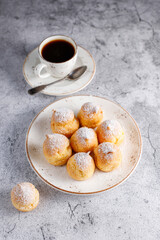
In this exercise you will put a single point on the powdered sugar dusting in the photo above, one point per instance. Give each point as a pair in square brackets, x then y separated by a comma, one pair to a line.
[63, 115]
[90, 108]
[106, 149]
[111, 127]
[83, 160]
[55, 141]
[85, 133]
[24, 193]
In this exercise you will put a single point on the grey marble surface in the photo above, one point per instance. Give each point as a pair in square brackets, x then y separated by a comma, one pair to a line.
[124, 39]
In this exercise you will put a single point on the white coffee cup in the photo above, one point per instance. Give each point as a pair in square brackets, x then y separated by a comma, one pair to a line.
[55, 69]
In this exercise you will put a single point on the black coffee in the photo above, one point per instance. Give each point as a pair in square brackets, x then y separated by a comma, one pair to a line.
[58, 51]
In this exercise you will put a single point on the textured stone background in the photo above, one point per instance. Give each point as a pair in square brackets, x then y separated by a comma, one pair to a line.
[124, 38]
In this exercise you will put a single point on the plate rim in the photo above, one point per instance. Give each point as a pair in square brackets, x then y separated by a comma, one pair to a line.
[85, 193]
[61, 94]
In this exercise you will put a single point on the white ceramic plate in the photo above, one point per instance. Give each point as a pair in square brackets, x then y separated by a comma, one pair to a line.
[65, 87]
[57, 177]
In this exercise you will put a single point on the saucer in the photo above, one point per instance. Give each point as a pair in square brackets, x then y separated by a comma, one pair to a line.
[65, 87]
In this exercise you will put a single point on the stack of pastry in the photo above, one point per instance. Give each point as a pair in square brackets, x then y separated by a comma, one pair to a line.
[92, 142]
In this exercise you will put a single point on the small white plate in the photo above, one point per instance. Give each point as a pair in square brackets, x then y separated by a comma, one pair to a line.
[57, 177]
[65, 87]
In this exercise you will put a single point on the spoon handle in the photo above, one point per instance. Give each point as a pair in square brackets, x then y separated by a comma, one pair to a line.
[41, 87]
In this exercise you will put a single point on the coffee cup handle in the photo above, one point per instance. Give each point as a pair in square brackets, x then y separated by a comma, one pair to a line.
[38, 70]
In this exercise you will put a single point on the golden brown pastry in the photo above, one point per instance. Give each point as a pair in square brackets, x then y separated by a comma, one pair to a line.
[84, 140]
[57, 149]
[63, 121]
[107, 156]
[90, 115]
[80, 166]
[110, 131]
[25, 197]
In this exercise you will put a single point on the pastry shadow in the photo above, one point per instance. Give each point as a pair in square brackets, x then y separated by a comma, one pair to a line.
[6, 204]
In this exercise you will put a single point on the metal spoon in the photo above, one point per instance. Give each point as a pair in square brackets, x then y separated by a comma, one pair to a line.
[74, 75]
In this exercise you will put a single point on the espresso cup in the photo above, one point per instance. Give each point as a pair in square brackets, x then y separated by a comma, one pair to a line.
[56, 69]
